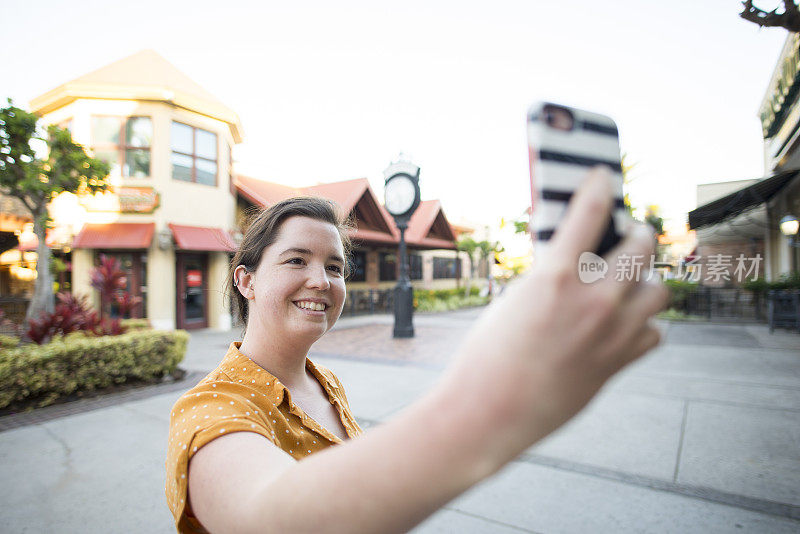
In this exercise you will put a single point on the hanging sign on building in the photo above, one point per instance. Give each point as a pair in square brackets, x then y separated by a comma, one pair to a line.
[124, 199]
[138, 199]
[194, 278]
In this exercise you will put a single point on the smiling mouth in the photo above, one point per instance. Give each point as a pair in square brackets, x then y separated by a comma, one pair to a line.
[311, 306]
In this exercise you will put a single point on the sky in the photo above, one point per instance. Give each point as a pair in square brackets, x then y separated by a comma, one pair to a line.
[330, 91]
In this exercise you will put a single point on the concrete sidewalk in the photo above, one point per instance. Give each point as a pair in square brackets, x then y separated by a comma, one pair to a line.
[703, 435]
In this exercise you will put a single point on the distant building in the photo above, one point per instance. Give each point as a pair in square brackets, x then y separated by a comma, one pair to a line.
[434, 262]
[723, 242]
[744, 216]
[176, 208]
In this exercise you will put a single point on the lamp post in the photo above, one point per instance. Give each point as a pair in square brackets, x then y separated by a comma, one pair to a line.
[789, 227]
[401, 195]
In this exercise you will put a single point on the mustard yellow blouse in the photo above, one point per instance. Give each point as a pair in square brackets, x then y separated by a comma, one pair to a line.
[240, 396]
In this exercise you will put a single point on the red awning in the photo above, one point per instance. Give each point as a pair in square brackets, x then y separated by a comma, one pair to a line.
[115, 236]
[200, 238]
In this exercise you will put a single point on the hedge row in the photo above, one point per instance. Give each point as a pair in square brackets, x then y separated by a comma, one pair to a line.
[454, 302]
[443, 294]
[43, 373]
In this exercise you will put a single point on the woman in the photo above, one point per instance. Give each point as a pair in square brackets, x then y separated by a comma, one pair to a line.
[534, 359]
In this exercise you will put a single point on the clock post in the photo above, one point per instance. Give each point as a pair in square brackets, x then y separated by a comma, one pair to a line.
[402, 197]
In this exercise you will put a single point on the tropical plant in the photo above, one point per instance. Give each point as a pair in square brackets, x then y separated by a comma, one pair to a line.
[468, 245]
[71, 314]
[35, 180]
[111, 281]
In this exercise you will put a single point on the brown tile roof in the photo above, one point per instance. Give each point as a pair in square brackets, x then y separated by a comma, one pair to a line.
[263, 193]
[428, 227]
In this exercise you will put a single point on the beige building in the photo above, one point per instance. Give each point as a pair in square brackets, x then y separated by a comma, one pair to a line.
[169, 217]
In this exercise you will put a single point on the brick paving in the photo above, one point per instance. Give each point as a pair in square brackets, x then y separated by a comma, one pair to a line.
[431, 346]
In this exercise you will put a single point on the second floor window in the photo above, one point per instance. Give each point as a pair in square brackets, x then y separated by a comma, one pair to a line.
[194, 154]
[124, 143]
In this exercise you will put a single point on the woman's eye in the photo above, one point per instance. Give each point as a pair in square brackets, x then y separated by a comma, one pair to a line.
[335, 268]
[296, 261]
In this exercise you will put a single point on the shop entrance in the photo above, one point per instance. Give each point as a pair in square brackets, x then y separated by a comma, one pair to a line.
[192, 305]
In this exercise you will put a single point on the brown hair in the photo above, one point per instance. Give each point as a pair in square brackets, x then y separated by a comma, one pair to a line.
[263, 231]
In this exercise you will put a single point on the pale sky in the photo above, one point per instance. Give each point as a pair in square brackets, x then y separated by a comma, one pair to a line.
[331, 91]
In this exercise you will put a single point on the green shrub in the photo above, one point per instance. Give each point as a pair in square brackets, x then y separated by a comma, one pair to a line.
[786, 281]
[43, 373]
[8, 342]
[679, 290]
[438, 300]
[759, 285]
[135, 324]
[676, 315]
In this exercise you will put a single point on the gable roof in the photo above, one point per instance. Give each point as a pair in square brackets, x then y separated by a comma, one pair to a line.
[427, 229]
[144, 75]
[263, 193]
[354, 197]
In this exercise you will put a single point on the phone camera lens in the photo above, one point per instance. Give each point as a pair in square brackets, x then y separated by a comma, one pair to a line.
[558, 118]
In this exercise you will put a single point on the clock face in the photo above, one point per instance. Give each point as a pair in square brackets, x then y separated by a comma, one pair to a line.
[400, 194]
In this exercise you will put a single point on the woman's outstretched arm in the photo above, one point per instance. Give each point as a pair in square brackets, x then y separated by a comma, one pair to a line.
[533, 360]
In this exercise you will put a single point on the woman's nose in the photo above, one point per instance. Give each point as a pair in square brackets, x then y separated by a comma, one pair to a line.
[318, 278]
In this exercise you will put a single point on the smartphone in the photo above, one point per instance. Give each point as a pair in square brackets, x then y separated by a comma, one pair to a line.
[563, 144]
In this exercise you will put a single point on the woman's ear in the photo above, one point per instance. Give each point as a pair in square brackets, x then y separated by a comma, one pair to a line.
[243, 279]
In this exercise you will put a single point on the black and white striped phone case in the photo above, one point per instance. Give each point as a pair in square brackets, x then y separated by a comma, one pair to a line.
[563, 144]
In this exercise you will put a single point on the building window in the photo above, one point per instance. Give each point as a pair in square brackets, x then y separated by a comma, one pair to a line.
[358, 266]
[387, 267]
[415, 267]
[446, 268]
[124, 143]
[194, 154]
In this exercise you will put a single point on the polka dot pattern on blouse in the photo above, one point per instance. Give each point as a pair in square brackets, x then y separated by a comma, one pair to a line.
[240, 396]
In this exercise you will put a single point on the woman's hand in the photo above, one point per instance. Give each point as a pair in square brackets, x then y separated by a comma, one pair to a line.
[542, 351]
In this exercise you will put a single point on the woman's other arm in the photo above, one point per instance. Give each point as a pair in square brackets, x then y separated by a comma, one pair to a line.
[533, 360]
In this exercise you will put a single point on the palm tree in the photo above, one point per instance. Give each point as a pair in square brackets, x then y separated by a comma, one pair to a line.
[468, 245]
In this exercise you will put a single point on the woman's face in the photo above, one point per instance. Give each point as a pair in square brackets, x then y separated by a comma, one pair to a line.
[298, 287]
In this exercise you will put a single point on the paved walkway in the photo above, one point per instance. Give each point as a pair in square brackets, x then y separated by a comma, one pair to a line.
[703, 435]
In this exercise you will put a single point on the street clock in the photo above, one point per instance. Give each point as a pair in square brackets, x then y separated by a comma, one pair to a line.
[401, 190]
[401, 198]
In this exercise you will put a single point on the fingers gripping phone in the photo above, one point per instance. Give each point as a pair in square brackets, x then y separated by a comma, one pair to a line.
[563, 144]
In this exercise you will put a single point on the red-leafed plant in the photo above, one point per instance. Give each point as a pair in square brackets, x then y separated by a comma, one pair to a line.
[109, 327]
[71, 314]
[111, 281]
[126, 303]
